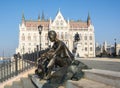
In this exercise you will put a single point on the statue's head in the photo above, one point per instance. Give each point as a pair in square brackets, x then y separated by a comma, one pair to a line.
[52, 35]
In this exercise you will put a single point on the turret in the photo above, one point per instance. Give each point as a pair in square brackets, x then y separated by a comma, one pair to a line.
[88, 20]
[23, 18]
[39, 17]
[68, 21]
[43, 17]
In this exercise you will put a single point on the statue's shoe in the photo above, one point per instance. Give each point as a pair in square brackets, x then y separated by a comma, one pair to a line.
[47, 77]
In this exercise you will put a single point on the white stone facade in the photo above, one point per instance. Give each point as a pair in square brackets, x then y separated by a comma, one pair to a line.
[118, 49]
[29, 35]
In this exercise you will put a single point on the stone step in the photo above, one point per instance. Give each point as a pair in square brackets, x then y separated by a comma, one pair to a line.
[7, 86]
[104, 76]
[17, 84]
[26, 82]
[85, 83]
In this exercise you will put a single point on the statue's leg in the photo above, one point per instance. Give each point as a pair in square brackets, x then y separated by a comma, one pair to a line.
[61, 61]
[49, 68]
[51, 63]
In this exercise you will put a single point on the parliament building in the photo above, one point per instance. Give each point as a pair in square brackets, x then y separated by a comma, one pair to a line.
[29, 36]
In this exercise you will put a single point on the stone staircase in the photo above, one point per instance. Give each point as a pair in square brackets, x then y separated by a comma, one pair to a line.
[94, 78]
[103, 76]
[24, 82]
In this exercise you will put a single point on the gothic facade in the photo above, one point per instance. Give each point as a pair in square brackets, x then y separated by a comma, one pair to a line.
[29, 36]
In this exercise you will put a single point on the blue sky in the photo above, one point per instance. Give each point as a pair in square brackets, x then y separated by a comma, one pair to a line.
[105, 16]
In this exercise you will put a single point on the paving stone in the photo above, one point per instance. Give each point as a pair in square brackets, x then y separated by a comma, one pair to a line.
[26, 82]
[7, 86]
[17, 84]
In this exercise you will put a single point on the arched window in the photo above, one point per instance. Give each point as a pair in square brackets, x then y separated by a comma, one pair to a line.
[29, 37]
[62, 36]
[90, 48]
[29, 44]
[91, 43]
[85, 48]
[90, 37]
[85, 37]
[85, 43]
[34, 37]
[23, 37]
[66, 35]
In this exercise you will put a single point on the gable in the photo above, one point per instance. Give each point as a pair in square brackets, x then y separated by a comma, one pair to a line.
[59, 20]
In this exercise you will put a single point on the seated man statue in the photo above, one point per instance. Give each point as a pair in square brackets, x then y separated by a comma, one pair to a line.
[59, 55]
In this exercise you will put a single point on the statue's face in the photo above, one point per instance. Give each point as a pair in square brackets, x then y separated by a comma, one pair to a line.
[51, 37]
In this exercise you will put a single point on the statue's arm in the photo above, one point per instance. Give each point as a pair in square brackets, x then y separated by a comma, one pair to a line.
[58, 49]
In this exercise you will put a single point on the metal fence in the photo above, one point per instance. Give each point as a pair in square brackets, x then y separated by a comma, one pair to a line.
[19, 64]
[13, 67]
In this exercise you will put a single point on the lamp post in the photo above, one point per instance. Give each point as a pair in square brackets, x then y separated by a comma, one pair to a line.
[40, 27]
[115, 46]
[23, 58]
[23, 51]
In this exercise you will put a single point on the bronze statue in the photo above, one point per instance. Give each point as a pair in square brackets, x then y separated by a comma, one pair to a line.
[61, 54]
[58, 55]
[57, 65]
[76, 37]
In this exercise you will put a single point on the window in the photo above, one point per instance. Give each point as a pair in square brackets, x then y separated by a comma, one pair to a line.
[85, 37]
[59, 17]
[85, 48]
[29, 38]
[57, 23]
[86, 43]
[90, 48]
[91, 43]
[28, 28]
[23, 37]
[90, 29]
[34, 37]
[62, 36]
[90, 37]
[61, 24]
[65, 35]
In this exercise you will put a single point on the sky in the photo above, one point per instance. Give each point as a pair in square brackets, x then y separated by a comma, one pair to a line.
[105, 16]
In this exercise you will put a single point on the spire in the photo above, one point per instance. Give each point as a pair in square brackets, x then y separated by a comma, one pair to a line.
[88, 20]
[68, 21]
[59, 9]
[50, 21]
[43, 17]
[23, 18]
[39, 17]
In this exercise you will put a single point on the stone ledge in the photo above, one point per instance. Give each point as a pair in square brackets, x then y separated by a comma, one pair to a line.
[85, 83]
[104, 76]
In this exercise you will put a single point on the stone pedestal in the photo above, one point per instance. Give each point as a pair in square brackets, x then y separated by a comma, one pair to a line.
[80, 50]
